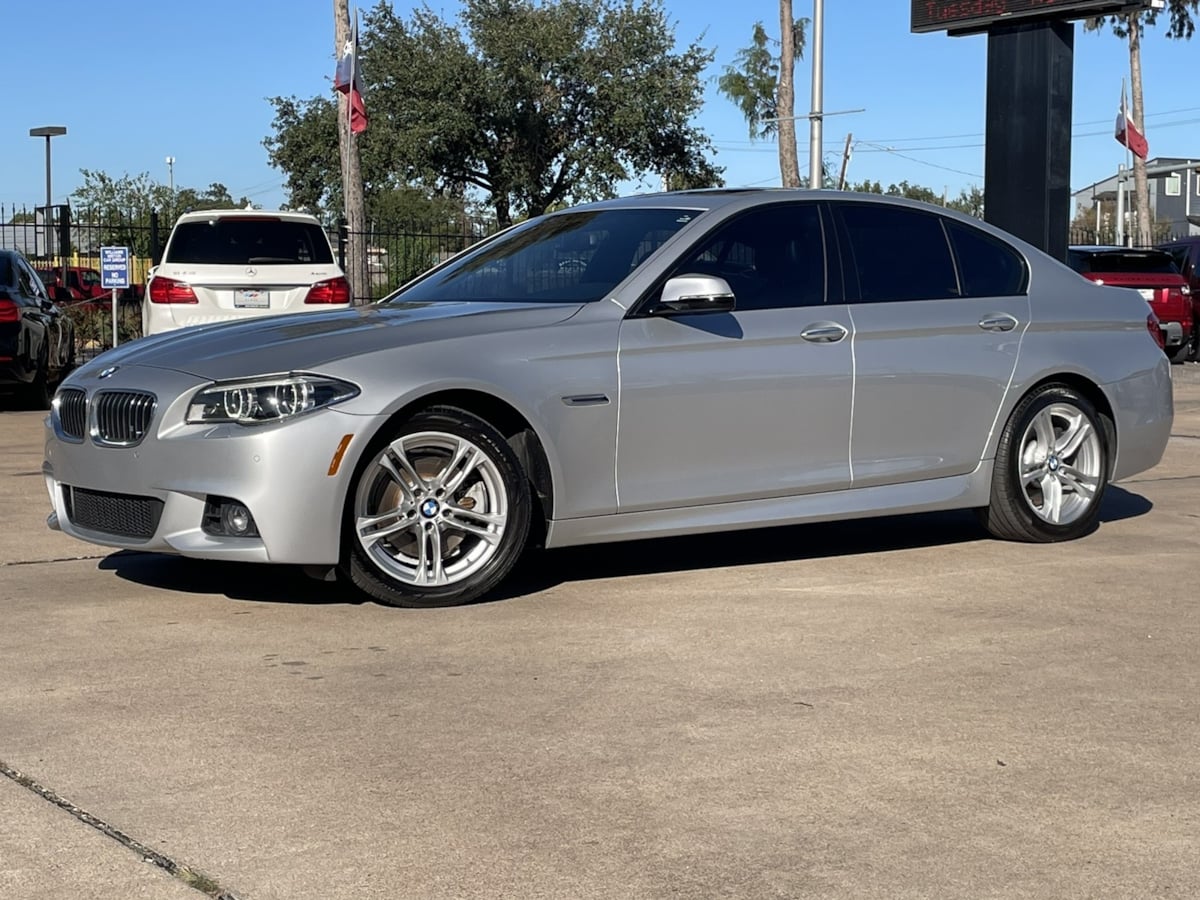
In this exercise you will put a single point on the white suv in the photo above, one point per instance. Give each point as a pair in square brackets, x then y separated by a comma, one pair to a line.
[227, 264]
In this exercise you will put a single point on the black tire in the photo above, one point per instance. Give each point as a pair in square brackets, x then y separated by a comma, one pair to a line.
[435, 552]
[38, 394]
[1020, 513]
[1185, 351]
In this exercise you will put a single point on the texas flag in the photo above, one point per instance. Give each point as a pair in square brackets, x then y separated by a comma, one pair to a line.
[348, 80]
[1127, 134]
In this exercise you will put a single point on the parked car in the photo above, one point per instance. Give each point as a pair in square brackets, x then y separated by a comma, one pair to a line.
[1186, 254]
[720, 360]
[1154, 275]
[226, 265]
[58, 291]
[37, 342]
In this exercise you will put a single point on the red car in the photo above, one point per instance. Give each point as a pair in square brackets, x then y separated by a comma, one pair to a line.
[1186, 253]
[1154, 275]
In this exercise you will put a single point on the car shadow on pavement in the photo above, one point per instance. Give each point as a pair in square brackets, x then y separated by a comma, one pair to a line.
[541, 570]
[821, 540]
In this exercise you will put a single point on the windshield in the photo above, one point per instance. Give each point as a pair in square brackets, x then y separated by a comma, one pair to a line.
[575, 257]
[248, 241]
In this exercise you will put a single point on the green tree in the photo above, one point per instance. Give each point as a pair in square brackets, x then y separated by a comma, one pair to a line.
[1131, 27]
[761, 87]
[534, 104]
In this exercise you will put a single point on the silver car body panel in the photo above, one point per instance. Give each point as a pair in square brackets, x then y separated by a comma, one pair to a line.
[651, 426]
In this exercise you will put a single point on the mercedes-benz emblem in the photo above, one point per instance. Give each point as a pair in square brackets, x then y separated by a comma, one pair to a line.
[109, 372]
[250, 270]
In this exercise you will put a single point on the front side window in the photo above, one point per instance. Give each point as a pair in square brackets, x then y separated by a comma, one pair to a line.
[252, 241]
[576, 257]
[772, 258]
[896, 254]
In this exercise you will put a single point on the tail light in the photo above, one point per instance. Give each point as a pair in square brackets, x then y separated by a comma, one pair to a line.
[1155, 331]
[335, 290]
[9, 311]
[168, 290]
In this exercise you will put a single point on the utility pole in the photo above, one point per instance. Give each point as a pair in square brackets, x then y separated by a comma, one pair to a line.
[352, 183]
[845, 162]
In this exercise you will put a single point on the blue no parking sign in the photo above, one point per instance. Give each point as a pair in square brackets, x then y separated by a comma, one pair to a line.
[114, 267]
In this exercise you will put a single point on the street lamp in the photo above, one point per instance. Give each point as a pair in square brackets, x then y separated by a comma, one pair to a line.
[171, 173]
[47, 131]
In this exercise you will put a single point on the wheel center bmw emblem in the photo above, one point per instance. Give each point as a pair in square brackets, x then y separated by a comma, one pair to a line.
[429, 508]
[1052, 463]
[109, 372]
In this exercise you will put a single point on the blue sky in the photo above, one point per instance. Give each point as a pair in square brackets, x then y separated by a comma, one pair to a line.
[145, 80]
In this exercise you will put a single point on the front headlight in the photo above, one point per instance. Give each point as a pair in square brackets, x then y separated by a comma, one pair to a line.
[273, 399]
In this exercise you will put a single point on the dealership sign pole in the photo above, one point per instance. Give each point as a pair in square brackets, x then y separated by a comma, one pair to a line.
[114, 274]
[1027, 156]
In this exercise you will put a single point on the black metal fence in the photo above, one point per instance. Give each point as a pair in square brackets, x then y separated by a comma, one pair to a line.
[63, 242]
[1108, 237]
[395, 257]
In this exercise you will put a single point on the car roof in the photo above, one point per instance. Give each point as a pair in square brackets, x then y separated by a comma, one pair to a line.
[203, 215]
[1104, 250]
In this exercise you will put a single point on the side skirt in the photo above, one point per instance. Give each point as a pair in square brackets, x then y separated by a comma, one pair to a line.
[958, 492]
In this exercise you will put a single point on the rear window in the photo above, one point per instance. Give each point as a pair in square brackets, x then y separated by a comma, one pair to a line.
[6, 272]
[1143, 262]
[241, 242]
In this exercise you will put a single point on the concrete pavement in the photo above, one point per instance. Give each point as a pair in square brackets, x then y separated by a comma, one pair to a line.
[895, 708]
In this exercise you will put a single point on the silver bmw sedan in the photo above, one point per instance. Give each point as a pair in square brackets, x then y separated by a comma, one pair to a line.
[651, 366]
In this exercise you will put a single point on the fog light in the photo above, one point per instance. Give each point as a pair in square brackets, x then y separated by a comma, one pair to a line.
[226, 517]
[236, 518]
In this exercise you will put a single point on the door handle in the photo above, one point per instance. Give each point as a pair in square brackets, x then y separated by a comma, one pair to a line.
[824, 333]
[1001, 322]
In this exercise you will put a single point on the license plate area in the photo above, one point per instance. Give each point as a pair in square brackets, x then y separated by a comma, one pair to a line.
[252, 299]
[1147, 294]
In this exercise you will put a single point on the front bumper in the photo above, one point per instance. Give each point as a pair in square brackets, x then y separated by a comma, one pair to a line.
[280, 472]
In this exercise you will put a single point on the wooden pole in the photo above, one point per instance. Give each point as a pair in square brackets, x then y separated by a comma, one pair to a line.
[352, 183]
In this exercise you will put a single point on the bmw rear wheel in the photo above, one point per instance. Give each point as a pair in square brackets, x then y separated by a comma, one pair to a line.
[1051, 469]
[439, 512]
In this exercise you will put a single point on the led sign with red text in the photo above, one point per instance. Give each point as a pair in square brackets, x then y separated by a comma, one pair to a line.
[977, 15]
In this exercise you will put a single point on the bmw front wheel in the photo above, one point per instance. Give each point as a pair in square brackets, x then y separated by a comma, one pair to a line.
[438, 514]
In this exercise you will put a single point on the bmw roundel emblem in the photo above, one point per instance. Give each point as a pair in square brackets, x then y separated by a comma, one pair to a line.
[109, 372]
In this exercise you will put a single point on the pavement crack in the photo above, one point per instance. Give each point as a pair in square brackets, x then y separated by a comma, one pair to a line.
[54, 559]
[191, 877]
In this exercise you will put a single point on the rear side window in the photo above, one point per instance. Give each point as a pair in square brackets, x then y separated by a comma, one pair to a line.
[248, 241]
[987, 267]
[895, 254]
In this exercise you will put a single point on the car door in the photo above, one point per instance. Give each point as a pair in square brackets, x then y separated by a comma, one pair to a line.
[46, 316]
[939, 309]
[754, 403]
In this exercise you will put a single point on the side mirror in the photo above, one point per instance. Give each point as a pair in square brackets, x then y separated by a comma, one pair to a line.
[695, 294]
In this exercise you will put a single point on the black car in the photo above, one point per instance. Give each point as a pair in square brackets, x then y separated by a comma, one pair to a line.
[37, 342]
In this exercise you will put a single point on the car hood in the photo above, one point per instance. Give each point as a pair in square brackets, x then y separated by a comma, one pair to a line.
[307, 341]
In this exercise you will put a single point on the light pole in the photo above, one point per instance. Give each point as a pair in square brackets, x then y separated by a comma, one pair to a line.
[171, 174]
[48, 132]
